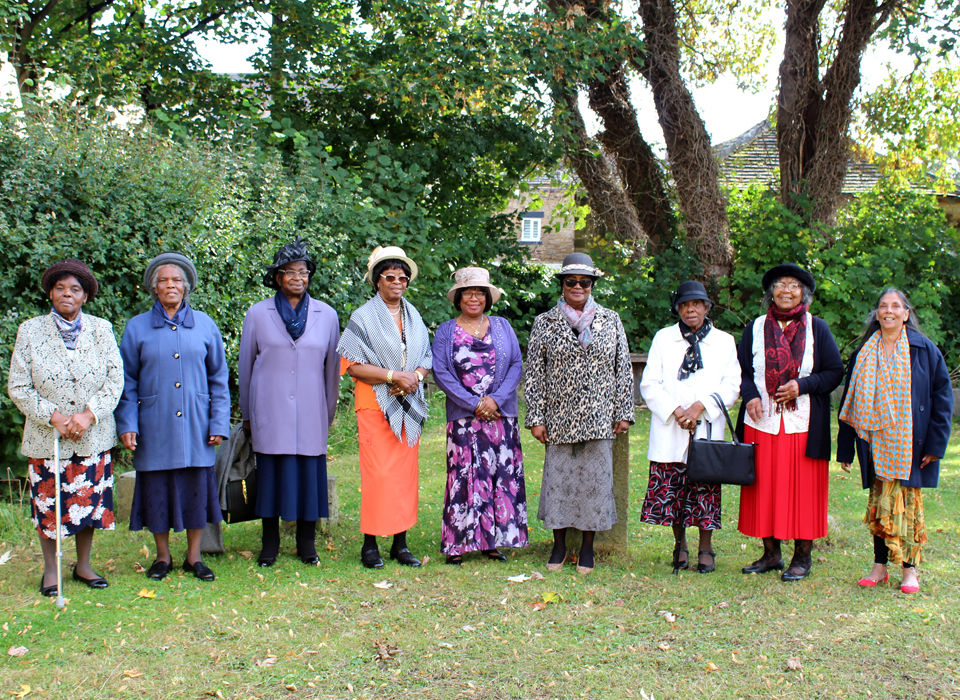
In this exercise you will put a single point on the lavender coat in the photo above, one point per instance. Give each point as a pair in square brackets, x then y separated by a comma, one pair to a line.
[289, 388]
[461, 403]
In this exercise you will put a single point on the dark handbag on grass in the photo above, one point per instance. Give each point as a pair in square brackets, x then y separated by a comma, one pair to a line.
[236, 469]
[719, 462]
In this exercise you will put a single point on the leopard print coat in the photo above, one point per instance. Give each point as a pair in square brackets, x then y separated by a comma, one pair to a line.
[578, 394]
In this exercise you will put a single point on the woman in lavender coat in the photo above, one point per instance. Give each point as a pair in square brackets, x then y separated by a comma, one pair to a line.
[476, 362]
[289, 384]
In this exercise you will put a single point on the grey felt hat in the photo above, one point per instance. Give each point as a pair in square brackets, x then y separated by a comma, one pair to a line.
[578, 264]
[171, 258]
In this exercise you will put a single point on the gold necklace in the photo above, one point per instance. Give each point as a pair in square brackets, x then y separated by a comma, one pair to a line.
[476, 331]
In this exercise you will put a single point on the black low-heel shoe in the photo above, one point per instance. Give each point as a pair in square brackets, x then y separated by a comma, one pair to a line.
[370, 558]
[48, 591]
[797, 571]
[707, 568]
[96, 582]
[455, 560]
[494, 554]
[404, 557]
[266, 561]
[762, 566]
[158, 570]
[311, 559]
[199, 570]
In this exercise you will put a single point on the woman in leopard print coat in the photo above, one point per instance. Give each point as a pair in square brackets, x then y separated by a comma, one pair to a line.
[579, 393]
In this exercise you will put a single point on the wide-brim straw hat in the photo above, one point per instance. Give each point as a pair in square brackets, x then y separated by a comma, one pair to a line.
[578, 264]
[171, 258]
[391, 252]
[789, 270]
[77, 268]
[471, 277]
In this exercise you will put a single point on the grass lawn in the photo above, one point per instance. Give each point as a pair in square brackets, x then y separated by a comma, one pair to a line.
[442, 632]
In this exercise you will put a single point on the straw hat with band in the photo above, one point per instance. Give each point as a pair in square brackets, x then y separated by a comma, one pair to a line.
[578, 264]
[391, 252]
[72, 266]
[473, 277]
[290, 253]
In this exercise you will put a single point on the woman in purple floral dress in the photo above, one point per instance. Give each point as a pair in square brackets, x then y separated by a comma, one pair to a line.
[477, 364]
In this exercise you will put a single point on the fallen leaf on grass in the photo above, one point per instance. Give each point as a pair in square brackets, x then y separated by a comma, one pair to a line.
[663, 646]
[445, 645]
[551, 597]
[144, 552]
[469, 628]
[133, 674]
[383, 584]
[292, 688]
[138, 567]
[723, 605]
[385, 651]
[844, 616]
[331, 547]
[733, 657]
[266, 663]
[536, 575]
[519, 578]
[794, 664]
[144, 593]
[17, 651]
[24, 691]
[246, 555]
[538, 605]
[711, 667]
[667, 615]
[425, 560]
[5, 557]
[365, 604]
[821, 559]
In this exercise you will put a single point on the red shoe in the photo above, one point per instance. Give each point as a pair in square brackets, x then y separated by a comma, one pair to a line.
[910, 589]
[868, 582]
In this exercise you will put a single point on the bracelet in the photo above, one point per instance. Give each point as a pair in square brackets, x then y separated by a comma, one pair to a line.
[419, 376]
[390, 376]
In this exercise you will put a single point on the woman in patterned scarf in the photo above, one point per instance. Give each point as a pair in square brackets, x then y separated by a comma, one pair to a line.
[66, 376]
[386, 349]
[790, 364]
[688, 362]
[579, 393]
[897, 409]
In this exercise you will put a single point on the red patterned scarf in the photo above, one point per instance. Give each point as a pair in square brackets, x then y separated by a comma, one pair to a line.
[783, 349]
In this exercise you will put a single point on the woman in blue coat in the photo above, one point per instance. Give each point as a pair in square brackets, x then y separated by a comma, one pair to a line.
[174, 411]
[897, 407]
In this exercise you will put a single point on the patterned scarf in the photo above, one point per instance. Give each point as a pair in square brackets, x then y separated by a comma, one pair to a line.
[580, 321]
[783, 349]
[879, 406]
[69, 330]
[294, 319]
[372, 338]
[692, 360]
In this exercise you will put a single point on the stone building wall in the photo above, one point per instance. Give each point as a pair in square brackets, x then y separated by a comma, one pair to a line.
[557, 231]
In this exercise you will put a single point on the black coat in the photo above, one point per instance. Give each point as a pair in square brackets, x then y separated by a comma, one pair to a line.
[932, 399]
[826, 376]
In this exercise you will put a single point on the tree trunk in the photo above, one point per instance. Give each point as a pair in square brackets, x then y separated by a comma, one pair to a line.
[813, 116]
[692, 163]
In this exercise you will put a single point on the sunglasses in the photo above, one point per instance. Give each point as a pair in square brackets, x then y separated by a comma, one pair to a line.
[393, 278]
[583, 284]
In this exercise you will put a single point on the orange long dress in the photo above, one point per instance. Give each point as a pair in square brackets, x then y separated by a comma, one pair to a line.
[389, 468]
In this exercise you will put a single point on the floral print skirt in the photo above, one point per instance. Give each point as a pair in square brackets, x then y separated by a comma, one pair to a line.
[895, 514]
[673, 499]
[86, 494]
[485, 506]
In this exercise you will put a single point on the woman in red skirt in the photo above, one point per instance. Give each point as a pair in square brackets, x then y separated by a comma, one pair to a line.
[790, 364]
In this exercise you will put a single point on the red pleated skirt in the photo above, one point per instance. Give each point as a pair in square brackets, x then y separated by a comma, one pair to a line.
[789, 497]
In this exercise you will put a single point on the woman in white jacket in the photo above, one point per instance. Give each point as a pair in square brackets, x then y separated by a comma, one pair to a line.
[687, 363]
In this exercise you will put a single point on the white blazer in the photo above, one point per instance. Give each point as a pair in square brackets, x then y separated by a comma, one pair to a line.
[664, 393]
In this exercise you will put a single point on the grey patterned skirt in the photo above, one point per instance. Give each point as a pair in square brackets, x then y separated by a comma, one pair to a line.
[577, 488]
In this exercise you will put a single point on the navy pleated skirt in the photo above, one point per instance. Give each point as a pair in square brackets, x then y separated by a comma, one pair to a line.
[293, 487]
[175, 499]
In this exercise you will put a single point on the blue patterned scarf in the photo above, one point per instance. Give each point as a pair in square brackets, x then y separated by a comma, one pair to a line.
[69, 330]
[295, 319]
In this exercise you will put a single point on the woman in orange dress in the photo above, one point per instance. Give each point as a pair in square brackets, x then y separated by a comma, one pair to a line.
[386, 349]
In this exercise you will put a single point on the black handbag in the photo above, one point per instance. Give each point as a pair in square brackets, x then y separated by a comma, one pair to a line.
[720, 462]
[242, 499]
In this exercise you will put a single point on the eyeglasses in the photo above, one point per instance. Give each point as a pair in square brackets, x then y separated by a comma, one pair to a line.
[393, 278]
[290, 274]
[473, 295]
[584, 284]
[790, 286]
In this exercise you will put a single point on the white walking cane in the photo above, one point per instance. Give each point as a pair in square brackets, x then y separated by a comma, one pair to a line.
[56, 505]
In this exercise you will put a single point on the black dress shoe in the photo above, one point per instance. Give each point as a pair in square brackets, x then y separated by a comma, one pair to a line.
[370, 558]
[707, 568]
[199, 570]
[797, 571]
[762, 566]
[455, 560]
[310, 559]
[48, 591]
[159, 570]
[404, 557]
[266, 561]
[96, 582]
[494, 554]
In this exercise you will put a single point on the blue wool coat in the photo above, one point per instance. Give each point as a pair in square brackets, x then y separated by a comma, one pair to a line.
[175, 392]
[932, 399]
